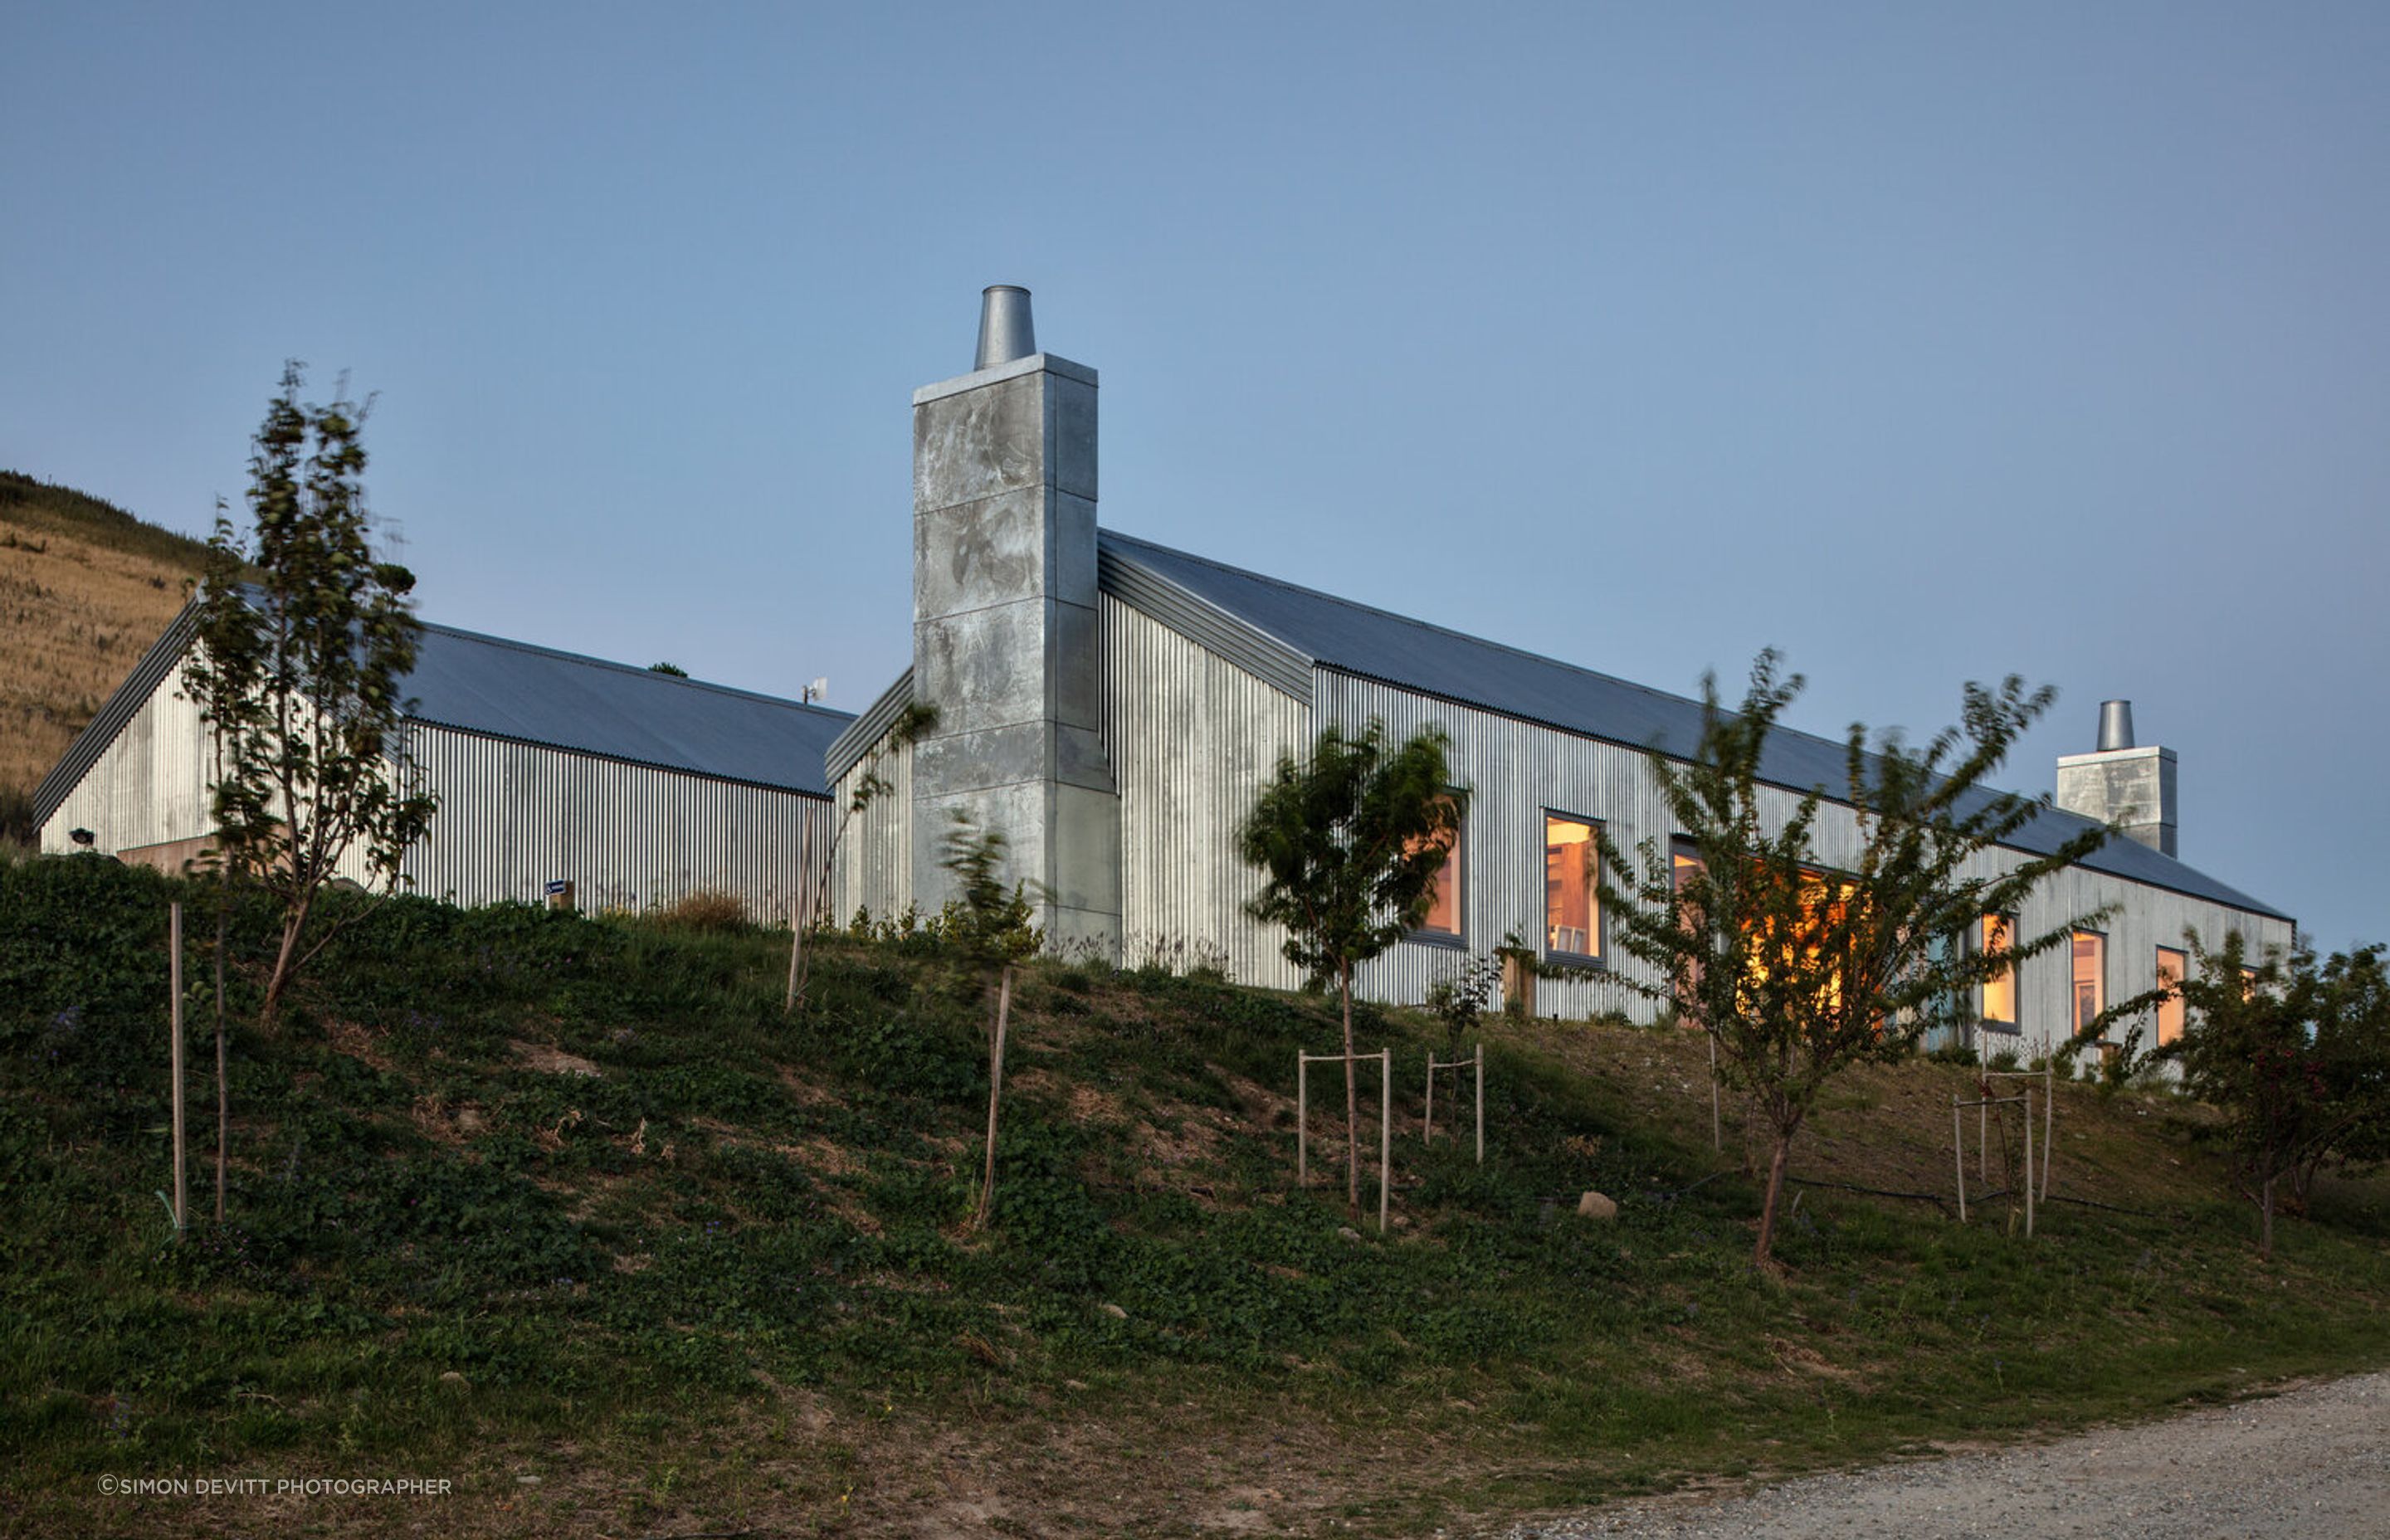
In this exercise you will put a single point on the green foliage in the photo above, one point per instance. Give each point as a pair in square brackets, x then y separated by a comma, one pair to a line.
[1459, 993]
[304, 641]
[987, 926]
[734, 1208]
[2295, 1056]
[673, 670]
[1349, 845]
[1796, 972]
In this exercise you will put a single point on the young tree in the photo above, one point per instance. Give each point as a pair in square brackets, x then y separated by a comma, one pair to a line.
[1350, 843]
[991, 927]
[1797, 971]
[304, 641]
[813, 881]
[2295, 1057]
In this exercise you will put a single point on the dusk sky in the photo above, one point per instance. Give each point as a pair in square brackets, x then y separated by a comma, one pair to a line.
[1925, 343]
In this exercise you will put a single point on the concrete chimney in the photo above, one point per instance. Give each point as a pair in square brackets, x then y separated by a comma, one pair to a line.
[1005, 638]
[2120, 783]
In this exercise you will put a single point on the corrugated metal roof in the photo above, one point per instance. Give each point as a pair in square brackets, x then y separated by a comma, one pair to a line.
[1378, 644]
[510, 689]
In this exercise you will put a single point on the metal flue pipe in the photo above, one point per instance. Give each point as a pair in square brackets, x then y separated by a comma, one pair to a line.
[1005, 330]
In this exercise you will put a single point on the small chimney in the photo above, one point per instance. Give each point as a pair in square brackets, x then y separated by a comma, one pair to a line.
[2122, 783]
[2116, 726]
[1006, 331]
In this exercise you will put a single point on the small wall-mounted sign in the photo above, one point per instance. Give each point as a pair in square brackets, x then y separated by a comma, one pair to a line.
[559, 894]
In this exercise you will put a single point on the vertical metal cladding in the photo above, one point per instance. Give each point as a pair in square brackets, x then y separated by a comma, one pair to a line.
[1192, 738]
[875, 856]
[147, 785]
[1516, 771]
[514, 816]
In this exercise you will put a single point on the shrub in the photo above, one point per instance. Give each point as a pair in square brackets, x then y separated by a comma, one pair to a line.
[706, 909]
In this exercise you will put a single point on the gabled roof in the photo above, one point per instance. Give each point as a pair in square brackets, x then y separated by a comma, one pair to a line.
[561, 699]
[1269, 618]
[499, 688]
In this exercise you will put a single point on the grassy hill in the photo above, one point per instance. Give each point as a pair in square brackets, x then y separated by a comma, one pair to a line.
[562, 1211]
[84, 588]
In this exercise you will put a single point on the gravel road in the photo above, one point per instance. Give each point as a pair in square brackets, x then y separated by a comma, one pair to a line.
[2312, 1463]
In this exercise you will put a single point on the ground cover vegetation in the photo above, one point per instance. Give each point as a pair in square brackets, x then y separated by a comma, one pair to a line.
[569, 1211]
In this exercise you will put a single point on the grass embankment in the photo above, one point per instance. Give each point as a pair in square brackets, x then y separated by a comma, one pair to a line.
[563, 1211]
[84, 588]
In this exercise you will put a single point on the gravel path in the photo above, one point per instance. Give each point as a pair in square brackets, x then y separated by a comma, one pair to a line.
[2312, 1463]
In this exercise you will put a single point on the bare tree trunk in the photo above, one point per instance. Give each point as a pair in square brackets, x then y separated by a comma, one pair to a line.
[223, 1086]
[2266, 1218]
[1352, 1100]
[1763, 1254]
[292, 924]
[995, 1096]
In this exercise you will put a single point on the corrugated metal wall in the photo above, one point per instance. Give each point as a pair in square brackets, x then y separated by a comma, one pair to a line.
[1192, 738]
[875, 854]
[1516, 771]
[148, 786]
[514, 815]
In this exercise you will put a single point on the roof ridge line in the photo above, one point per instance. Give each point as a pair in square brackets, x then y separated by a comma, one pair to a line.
[1413, 620]
[559, 653]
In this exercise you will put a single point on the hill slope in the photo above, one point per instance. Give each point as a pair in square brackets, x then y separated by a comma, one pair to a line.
[564, 1211]
[84, 588]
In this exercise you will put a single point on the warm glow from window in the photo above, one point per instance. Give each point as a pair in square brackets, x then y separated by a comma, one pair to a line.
[1682, 867]
[2090, 977]
[1999, 990]
[2173, 968]
[1444, 896]
[1571, 907]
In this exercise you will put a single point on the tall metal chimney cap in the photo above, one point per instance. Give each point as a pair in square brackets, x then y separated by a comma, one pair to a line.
[2115, 724]
[1005, 330]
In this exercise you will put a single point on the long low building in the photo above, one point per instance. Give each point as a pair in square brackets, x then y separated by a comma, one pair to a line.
[558, 777]
[1116, 707]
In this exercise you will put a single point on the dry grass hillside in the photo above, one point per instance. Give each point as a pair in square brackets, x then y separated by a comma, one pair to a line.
[84, 588]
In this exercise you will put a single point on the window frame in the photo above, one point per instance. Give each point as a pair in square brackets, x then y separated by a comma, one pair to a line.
[2075, 1023]
[1984, 1021]
[1598, 931]
[2176, 1005]
[1457, 938]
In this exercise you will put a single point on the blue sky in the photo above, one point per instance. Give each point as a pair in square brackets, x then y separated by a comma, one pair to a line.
[1924, 343]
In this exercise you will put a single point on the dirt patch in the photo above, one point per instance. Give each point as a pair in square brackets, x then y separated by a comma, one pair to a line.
[549, 1059]
[442, 1123]
[360, 1043]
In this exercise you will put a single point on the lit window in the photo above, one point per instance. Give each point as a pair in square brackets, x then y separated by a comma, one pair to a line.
[1995, 933]
[1444, 896]
[1571, 883]
[1683, 866]
[2173, 968]
[2090, 977]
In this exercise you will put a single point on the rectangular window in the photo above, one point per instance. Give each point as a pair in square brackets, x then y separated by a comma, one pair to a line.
[1683, 866]
[1998, 1004]
[2173, 968]
[2090, 977]
[1444, 897]
[1571, 887]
